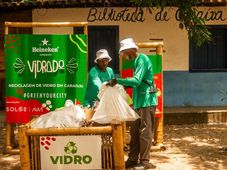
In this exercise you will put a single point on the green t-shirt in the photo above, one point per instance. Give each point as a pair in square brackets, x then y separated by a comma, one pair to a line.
[143, 71]
[95, 79]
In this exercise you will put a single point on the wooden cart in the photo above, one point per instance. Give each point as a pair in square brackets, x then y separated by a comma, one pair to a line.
[112, 144]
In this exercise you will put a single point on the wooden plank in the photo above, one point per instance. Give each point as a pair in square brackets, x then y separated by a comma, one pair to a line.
[46, 24]
[24, 148]
[69, 131]
[118, 148]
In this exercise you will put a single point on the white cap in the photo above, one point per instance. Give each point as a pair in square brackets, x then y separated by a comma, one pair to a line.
[127, 44]
[102, 53]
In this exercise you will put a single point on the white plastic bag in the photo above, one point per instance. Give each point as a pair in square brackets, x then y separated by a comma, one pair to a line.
[69, 116]
[113, 106]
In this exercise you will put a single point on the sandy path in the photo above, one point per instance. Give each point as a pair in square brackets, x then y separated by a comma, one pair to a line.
[188, 147]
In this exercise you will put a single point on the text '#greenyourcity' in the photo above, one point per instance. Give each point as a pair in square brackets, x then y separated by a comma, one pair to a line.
[45, 95]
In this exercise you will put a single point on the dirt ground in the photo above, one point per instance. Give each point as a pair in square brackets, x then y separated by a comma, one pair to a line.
[193, 147]
[188, 147]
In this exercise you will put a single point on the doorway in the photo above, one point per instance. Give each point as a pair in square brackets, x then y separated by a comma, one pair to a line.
[99, 37]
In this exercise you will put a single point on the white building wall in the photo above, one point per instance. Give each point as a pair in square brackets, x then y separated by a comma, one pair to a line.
[149, 25]
[181, 87]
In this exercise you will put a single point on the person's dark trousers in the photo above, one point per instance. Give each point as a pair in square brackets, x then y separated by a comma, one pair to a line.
[141, 134]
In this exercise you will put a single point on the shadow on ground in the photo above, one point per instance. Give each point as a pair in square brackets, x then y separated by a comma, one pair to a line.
[188, 147]
[197, 146]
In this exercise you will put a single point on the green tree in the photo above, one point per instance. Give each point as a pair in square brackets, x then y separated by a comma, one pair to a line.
[195, 26]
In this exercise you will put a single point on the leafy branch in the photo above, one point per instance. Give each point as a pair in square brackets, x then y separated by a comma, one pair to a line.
[195, 26]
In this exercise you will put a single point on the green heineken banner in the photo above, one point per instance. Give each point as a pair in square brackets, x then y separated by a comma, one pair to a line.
[42, 72]
[127, 71]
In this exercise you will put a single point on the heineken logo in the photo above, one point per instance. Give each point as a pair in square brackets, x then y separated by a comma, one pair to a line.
[45, 50]
[45, 42]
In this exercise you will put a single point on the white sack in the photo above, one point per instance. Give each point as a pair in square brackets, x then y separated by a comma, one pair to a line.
[69, 116]
[113, 106]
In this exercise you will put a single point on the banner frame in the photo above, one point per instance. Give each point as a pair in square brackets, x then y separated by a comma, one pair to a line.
[10, 136]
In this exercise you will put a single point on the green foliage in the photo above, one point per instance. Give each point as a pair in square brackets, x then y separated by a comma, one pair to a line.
[195, 26]
[224, 95]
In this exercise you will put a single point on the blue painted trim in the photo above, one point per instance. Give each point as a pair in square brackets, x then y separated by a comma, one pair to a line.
[182, 88]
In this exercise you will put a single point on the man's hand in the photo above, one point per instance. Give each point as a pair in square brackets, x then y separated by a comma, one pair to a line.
[112, 82]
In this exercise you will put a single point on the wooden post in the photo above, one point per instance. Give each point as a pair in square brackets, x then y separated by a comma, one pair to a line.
[158, 135]
[86, 29]
[8, 125]
[124, 134]
[118, 148]
[8, 137]
[24, 148]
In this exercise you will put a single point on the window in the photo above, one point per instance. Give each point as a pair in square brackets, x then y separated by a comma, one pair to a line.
[212, 56]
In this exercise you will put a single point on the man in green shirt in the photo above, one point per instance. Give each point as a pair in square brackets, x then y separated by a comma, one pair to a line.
[144, 102]
[98, 74]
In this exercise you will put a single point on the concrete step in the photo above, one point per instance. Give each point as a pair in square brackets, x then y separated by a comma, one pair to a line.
[190, 115]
